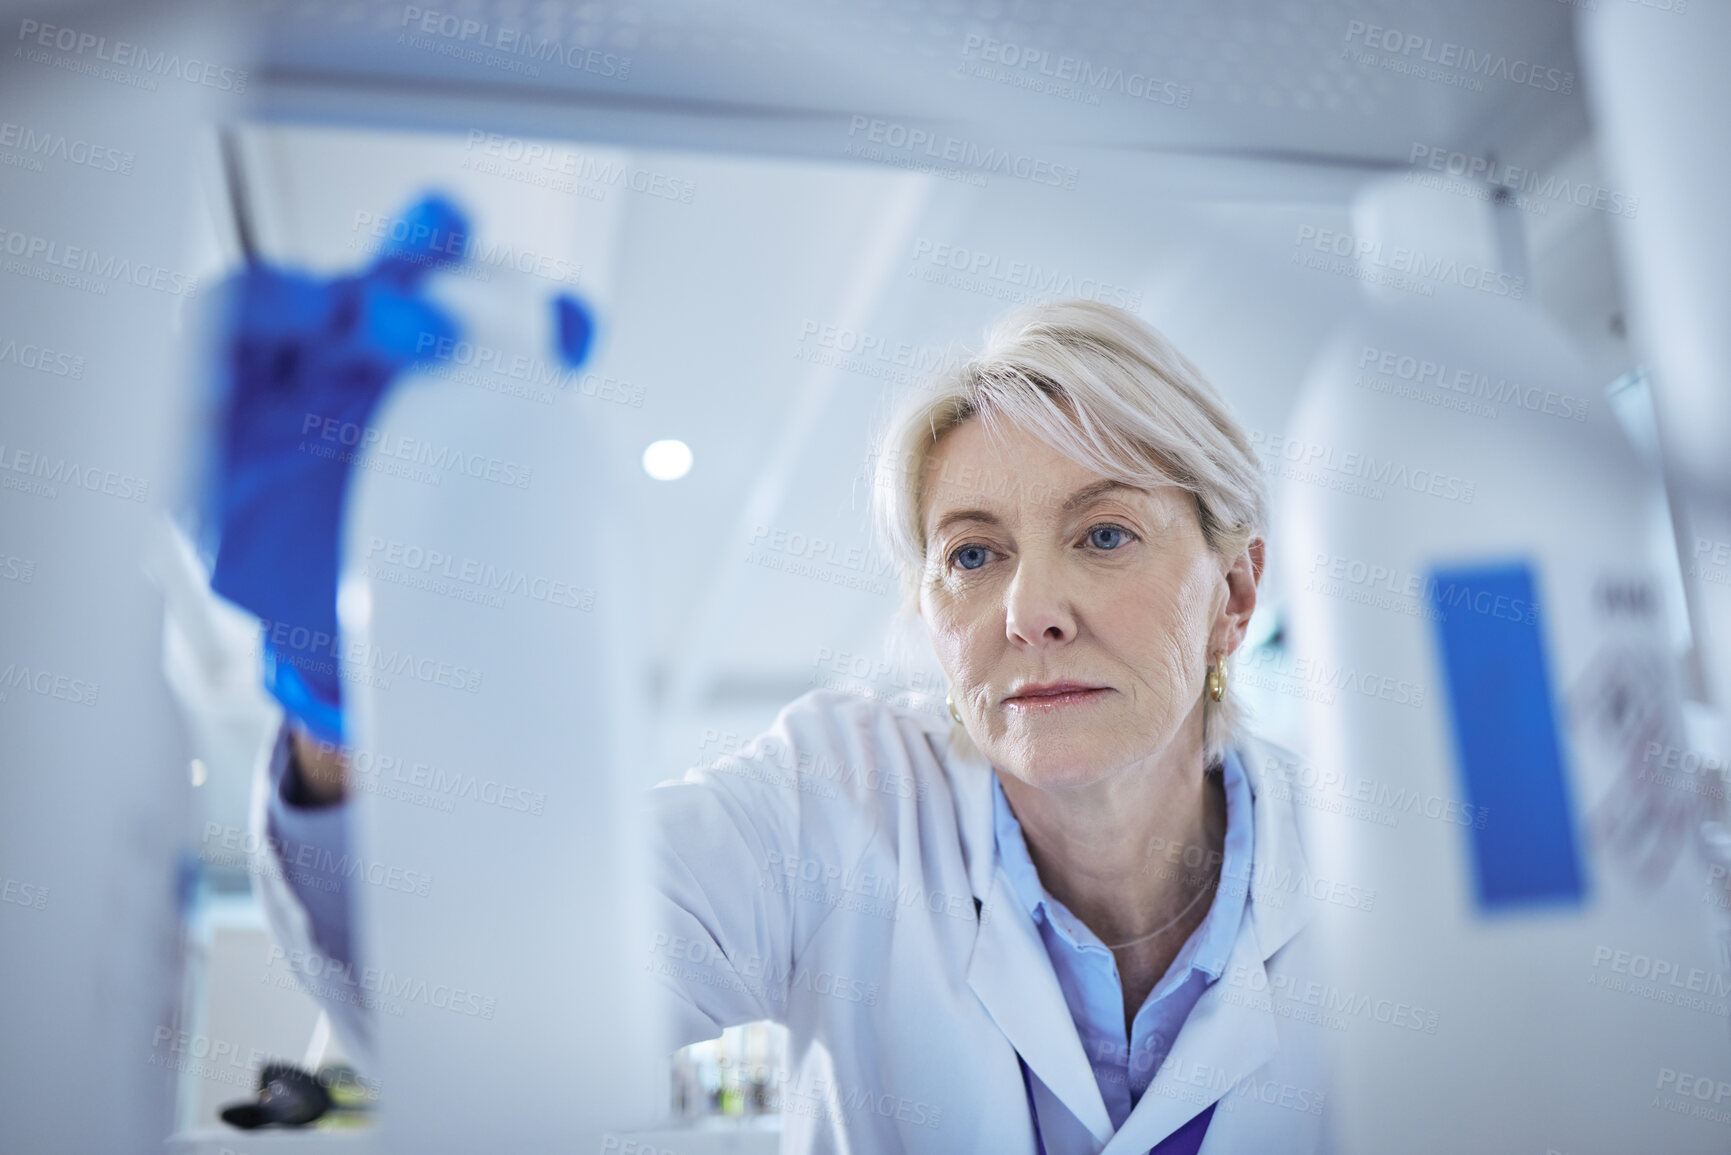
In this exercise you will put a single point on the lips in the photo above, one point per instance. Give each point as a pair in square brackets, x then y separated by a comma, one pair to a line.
[1052, 695]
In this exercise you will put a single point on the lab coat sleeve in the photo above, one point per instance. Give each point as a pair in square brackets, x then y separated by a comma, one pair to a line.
[720, 944]
[302, 853]
[746, 855]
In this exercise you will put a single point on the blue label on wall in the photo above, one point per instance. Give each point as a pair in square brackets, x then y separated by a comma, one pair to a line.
[1491, 637]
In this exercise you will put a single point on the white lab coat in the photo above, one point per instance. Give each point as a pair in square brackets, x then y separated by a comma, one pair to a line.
[839, 874]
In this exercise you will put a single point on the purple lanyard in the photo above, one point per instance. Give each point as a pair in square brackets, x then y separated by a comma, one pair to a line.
[1187, 1140]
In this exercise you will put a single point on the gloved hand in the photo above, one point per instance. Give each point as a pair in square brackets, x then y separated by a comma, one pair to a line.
[299, 351]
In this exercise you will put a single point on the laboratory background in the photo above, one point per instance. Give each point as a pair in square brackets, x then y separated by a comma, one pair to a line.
[1462, 270]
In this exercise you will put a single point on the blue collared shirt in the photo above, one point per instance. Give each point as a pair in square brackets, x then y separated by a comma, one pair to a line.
[1088, 974]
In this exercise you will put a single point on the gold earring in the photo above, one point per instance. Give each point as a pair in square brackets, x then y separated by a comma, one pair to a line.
[950, 701]
[1217, 677]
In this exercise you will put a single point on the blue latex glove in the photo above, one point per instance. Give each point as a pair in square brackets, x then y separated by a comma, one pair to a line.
[299, 351]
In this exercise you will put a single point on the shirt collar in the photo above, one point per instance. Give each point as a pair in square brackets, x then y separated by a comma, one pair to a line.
[1209, 947]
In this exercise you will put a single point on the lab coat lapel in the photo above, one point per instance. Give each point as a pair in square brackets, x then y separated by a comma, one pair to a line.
[1010, 971]
[1228, 1035]
[1280, 903]
[1231, 1031]
[970, 778]
[1013, 977]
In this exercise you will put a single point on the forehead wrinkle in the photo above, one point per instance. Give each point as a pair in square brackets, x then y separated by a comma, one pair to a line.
[999, 509]
[1098, 489]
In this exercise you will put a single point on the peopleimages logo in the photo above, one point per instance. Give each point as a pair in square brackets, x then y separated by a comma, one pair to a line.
[46, 472]
[41, 359]
[509, 155]
[1365, 798]
[1457, 60]
[1011, 280]
[954, 150]
[463, 32]
[35, 145]
[872, 354]
[385, 984]
[1303, 460]
[1399, 263]
[432, 242]
[382, 443]
[86, 46]
[46, 683]
[21, 893]
[1069, 76]
[1471, 383]
[1522, 179]
[109, 267]
[1440, 596]
[474, 574]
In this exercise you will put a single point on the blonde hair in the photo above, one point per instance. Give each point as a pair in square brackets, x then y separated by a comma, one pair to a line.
[1106, 390]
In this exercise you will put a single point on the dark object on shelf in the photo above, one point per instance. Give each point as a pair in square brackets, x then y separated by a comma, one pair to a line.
[287, 1096]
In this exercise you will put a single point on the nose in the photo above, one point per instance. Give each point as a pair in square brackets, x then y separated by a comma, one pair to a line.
[1036, 610]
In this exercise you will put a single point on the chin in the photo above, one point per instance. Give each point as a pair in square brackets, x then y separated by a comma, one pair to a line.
[1053, 762]
[1068, 755]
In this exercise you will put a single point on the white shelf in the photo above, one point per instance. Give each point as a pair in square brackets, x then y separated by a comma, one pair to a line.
[227, 1141]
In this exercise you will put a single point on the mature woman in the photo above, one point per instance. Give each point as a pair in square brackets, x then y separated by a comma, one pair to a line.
[1041, 924]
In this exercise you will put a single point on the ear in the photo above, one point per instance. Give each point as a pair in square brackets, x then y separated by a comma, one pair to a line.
[1242, 578]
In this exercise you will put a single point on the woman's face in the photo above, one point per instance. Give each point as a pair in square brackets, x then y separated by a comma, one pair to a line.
[1074, 615]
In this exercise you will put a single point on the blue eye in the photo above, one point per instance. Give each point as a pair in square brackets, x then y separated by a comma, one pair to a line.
[970, 556]
[1106, 537]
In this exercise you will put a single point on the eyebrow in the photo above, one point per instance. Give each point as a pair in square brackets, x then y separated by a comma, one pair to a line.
[1074, 502]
